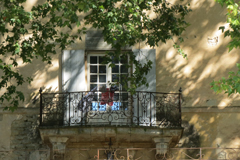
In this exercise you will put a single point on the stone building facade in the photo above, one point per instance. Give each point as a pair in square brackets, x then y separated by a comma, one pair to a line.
[209, 122]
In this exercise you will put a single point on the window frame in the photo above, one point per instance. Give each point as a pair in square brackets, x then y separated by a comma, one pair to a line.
[88, 70]
[108, 78]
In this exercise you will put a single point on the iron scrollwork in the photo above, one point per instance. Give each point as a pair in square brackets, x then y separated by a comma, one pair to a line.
[122, 108]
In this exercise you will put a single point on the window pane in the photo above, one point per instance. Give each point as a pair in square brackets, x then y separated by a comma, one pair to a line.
[93, 69]
[123, 78]
[102, 87]
[116, 97]
[93, 78]
[92, 86]
[114, 88]
[101, 59]
[115, 78]
[115, 69]
[93, 60]
[115, 60]
[95, 97]
[124, 88]
[124, 69]
[124, 60]
[124, 96]
[102, 69]
[102, 78]
[124, 106]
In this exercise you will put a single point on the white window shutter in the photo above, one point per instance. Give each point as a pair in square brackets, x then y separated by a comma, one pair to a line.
[141, 56]
[73, 71]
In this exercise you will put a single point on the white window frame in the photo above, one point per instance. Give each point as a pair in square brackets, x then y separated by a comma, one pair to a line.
[108, 70]
[108, 73]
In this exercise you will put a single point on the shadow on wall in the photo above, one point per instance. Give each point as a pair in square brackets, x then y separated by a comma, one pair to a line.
[190, 139]
[205, 62]
[35, 96]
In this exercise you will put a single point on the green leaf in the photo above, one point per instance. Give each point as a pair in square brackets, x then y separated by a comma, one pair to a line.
[101, 7]
[222, 28]
[78, 23]
[238, 89]
[230, 47]
[81, 6]
[215, 88]
[238, 65]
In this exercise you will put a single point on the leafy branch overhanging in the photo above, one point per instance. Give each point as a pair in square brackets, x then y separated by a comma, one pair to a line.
[38, 33]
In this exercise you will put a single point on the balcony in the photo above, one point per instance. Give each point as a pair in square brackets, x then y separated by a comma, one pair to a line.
[95, 108]
[96, 119]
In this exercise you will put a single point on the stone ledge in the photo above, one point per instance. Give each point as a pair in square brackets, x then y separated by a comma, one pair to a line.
[22, 110]
[97, 134]
[213, 109]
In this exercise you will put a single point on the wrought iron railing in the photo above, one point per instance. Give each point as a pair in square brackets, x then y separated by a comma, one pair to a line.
[172, 154]
[110, 108]
[205, 153]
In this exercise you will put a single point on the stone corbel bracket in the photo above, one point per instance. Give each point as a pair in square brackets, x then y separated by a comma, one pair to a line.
[58, 146]
[162, 145]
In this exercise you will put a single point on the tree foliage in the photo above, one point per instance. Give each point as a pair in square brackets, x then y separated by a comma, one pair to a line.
[231, 84]
[37, 34]
[233, 18]
[228, 85]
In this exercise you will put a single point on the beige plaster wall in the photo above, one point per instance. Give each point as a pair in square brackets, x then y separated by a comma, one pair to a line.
[211, 128]
[205, 63]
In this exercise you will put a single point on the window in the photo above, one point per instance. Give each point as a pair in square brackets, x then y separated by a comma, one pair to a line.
[100, 76]
[74, 70]
[76, 81]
